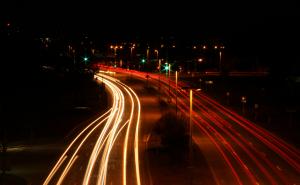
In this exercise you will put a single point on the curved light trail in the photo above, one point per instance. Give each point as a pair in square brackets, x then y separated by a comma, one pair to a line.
[252, 154]
[87, 158]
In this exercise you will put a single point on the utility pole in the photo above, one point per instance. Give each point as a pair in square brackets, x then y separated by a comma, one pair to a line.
[176, 80]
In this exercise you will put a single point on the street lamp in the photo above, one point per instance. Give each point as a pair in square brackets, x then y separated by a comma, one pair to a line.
[115, 52]
[131, 52]
[227, 95]
[159, 69]
[148, 53]
[191, 120]
[244, 101]
[191, 124]
[73, 56]
[220, 61]
[176, 80]
[169, 69]
[156, 51]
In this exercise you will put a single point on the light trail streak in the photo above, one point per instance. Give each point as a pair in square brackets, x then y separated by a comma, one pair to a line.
[136, 141]
[287, 152]
[67, 170]
[136, 136]
[105, 141]
[228, 145]
[126, 143]
[62, 158]
[55, 168]
[96, 151]
[109, 145]
[226, 135]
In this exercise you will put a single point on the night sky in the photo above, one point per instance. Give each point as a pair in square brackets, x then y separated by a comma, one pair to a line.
[256, 25]
[117, 17]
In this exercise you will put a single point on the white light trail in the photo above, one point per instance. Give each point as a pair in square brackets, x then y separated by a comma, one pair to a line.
[116, 119]
[62, 158]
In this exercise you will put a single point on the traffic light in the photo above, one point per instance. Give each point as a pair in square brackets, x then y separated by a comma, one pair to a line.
[166, 66]
[85, 59]
[143, 60]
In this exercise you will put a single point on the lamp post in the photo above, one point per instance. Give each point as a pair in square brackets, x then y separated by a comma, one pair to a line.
[228, 95]
[148, 51]
[74, 56]
[156, 51]
[115, 52]
[220, 61]
[159, 68]
[176, 80]
[191, 125]
[169, 82]
[131, 54]
[244, 101]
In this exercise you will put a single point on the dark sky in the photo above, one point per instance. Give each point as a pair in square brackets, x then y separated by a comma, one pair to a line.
[248, 24]
[196, 17]
[267, 29]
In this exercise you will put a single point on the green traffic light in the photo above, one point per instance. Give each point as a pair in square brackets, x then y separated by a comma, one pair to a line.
[143, 60]
[85, 59]
[166, 67]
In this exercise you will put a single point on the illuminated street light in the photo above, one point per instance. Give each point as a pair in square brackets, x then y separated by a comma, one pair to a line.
[148, 53]
[115, 52]
[159, 69]
[156, 51]
[191, 123]
[244, 101]
[220, 61]
[169, 69]
[176, 81]
[228, 95]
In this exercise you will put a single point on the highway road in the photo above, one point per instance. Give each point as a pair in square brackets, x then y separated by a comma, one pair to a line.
[107, 150]
[237, 150]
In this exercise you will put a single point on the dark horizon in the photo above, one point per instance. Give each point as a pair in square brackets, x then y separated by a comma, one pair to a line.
[269, 32]
[107, 19]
